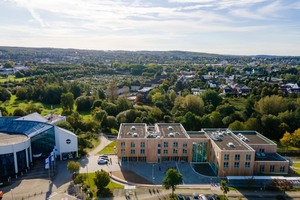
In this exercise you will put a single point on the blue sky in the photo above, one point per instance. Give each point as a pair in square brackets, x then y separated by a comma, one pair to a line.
[243, 27]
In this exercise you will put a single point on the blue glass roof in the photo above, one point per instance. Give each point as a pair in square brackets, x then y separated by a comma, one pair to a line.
[29, 128]
[6, 120]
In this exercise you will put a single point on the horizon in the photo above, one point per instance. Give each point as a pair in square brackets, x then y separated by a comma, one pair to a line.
[225, 27]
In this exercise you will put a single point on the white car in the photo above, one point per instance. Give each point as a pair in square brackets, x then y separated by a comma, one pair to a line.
[202, 197]
[102, 161]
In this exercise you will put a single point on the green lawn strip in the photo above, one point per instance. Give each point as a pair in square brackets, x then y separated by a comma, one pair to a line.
[239, 103]
[296, 165]
[109, 149]
[95, 143]
[90, 181]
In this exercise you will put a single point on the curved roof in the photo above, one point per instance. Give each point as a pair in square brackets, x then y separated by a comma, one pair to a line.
[29, 128]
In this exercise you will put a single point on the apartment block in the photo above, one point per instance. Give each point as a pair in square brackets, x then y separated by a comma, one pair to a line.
[229, 153]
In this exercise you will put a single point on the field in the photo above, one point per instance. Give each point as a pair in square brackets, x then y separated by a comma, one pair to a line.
[109, 149]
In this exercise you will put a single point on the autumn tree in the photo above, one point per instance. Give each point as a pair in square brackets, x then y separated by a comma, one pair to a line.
[193, 104]
[172, 178]
[286, 140]
[271, 105]
[112, 91]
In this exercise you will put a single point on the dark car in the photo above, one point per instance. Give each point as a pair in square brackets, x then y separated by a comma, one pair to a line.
[180, 197]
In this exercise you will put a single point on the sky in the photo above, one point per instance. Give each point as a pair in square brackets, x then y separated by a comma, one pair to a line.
[239, 27]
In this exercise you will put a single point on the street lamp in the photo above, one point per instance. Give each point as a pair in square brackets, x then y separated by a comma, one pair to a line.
[12, 196]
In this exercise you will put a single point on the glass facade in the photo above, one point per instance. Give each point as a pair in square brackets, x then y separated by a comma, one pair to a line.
[43, 142]
[199, 152]
[21, 160]
[7, 164]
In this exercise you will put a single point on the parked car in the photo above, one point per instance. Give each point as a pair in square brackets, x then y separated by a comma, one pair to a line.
[195, 196]
[102, 161]
[187, 198]
[180, 197]
[104, 158]
[202, 197]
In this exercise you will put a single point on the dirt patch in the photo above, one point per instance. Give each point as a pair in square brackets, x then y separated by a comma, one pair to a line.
[130, 176]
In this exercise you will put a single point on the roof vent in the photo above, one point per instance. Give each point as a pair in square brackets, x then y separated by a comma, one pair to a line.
[230, 144]
[171, 135]
[170, 128]
[135, 135]
[132, 128]
[129, 133]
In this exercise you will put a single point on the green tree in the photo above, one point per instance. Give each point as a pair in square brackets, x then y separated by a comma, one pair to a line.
[101, 179]
[4, 94]
[211, 97]
[224, 187]
[67, 101]
[237, 126]
[84, 103]
[73, 166]
[123, 104]
[9, 64]
[52, 94]
[172, 178]
[19, 112]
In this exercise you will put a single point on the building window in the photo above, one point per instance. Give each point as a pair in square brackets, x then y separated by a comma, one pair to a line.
[226, 157]
[282, 168]
[175, 151]
[248, 157]
[247, 164]
[122, 151]
[158, 145]
[142, 144]
[132, 151]
[261, 168]
[184, 145]
[132, 144]
[165, 151]
[123, 144]
[175, 144]
[236, 165]
[237, 156]
[166, 144]
[158, 151]
[225, 165]
[272, 168]
[184, 151]
[142, 151]
[261, 150]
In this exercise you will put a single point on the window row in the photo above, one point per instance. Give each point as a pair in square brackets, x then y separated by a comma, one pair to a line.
[142, 144]
[165, 151]
[237, 157]
[236, 165]
[272, 168]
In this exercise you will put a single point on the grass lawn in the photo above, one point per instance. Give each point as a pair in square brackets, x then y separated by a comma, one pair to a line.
[109, 149]
[90, 181]
[239, 103]
[11, 78]
[95, 143]
[296, 165]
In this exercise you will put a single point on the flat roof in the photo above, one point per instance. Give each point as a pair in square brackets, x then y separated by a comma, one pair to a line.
[197, 134]
[171, 130]
[269, 157]
[159, 130]
[225, 141]
[6, 138]
[252, 137]
[132, 130]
